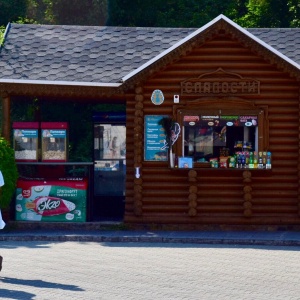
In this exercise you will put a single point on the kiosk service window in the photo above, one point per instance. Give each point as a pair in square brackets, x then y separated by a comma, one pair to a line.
[226, 139]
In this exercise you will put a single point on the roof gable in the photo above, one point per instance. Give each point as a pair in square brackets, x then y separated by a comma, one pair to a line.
[223, 23]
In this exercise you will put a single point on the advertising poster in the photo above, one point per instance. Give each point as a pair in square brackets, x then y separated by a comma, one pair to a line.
[54, 133]
[155, 139]
[248, 121]
[62, 200]
[26, 133]
[215, 121]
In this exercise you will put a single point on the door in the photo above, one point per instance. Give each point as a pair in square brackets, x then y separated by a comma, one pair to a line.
[109, 170]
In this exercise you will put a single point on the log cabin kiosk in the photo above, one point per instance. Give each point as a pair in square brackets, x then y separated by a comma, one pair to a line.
[211, 131]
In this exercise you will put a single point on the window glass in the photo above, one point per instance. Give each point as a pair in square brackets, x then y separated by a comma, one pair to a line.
[109, 146]
[210, 136]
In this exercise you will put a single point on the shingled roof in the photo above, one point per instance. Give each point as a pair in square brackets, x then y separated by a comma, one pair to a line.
[284, 40]
[81, 53]
[102, 56]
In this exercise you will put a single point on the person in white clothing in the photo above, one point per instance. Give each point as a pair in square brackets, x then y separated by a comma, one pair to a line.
[2, 223]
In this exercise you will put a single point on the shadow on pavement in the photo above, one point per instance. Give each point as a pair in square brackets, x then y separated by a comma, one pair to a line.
[9, 294]
[39, 284]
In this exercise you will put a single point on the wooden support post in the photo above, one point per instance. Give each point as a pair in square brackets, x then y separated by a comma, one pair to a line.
[6, 127]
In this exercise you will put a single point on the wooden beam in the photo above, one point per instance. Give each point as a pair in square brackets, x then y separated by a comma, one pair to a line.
[6, 127]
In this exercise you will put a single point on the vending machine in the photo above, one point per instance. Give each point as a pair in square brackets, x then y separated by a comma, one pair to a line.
[26, 141]
[54, 137]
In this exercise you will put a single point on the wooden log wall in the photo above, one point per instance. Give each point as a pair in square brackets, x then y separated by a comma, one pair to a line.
[208, 197]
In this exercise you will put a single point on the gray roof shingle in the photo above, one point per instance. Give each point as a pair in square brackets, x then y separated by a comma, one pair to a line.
[103, 54]
[92, 54]
[284, 40]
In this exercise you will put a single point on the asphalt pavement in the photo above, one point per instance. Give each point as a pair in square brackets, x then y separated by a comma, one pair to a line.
[162, 267]
[110, 262]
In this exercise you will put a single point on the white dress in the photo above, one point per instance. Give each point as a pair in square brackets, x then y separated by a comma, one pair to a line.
[2, 223]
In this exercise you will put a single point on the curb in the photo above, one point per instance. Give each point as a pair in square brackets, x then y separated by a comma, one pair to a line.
[145, 239]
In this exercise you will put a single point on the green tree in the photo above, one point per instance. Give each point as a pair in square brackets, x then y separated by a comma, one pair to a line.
[78, 12]
[38, 10]
[12, 10]
[2, 30]
[271, 14]
[134, 13]
[151, 13]
[9, 170]
[168, 13]
[294, 9]
[193, 13]
[62, 12]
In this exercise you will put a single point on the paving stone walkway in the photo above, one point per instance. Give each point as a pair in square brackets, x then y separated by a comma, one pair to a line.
[39, 269]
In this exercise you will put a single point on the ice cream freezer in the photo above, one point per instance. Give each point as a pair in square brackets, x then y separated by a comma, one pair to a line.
[61, 200]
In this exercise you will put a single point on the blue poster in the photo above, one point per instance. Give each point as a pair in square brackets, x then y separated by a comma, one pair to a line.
[155, 139]
[55, 133]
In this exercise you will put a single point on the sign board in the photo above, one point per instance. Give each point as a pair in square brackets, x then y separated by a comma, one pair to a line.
[154, 139]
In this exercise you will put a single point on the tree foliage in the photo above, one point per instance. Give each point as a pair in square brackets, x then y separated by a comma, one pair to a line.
[195, 13]
[62, 12]
[10, 174]
[294, 9]
[192, 13]
[151, 13]
[12, 10]
[168, 13]
[270, 14]
[78, 12]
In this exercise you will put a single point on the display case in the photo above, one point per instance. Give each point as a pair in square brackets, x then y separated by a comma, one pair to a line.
[54, 141]
[224, 135]
[25, 141]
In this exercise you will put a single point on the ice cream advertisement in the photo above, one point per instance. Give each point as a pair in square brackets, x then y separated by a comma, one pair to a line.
[51, 201]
